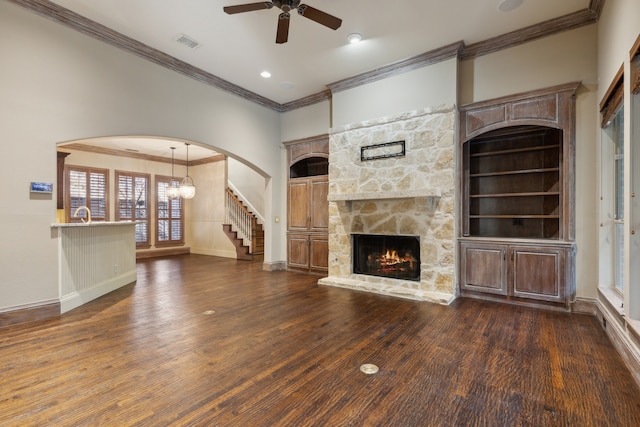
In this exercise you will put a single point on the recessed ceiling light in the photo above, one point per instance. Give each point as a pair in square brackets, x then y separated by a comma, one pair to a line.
[265, 74]
[286, 85]
[509, 5]
[354, 38]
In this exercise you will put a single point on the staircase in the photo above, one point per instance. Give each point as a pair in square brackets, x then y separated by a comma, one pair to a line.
[243, 230]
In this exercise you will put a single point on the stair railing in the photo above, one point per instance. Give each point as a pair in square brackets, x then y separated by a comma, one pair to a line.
[241, 220]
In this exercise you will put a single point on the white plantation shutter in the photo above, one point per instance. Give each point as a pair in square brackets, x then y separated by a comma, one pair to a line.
[86, 187]
[132, 190]
[169, 215]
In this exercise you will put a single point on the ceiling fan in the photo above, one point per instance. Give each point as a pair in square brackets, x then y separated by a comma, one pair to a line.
[282, 33]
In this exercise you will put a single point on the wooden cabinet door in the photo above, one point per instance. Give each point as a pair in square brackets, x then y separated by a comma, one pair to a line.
[298, 200]
[319, 253]
[537, 273]
[318, 204]
[484, 268]
[298, 250]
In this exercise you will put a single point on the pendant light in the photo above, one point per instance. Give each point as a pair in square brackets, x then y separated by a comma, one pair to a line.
[173, 191]
[187, 187]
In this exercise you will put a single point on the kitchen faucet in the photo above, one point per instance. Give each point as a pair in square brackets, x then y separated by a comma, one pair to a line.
[75, 214]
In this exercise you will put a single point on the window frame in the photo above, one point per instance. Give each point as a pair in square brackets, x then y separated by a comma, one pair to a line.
[612, 172]
[135, 218]
[88, 199]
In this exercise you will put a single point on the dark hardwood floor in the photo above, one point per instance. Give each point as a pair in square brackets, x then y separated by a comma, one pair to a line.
[205, 341]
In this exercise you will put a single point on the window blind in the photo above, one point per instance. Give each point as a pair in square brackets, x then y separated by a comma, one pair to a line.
[86, 187]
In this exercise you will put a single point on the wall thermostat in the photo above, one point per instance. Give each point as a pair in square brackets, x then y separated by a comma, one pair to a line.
[42, 187]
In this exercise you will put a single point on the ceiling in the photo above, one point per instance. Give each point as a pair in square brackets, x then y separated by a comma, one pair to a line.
[237, 48]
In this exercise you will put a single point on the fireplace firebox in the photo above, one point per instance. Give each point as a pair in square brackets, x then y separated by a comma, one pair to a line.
[391, 256]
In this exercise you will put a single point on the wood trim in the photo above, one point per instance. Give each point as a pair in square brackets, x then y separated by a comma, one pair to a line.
[141, 156]
[61, 155]
[100, 32]
[432, 57]
[570, 87]
[309, 139]
[162, 252]
[29, 314]
[524, 35]
[306, 101]
[207, 160]
[613, 98]
[634, 57]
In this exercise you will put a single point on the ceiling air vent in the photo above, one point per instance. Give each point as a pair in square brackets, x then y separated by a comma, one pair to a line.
[188, 41]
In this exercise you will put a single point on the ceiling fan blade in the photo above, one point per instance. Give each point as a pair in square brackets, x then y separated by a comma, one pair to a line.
[283, 28]
[247, 7]
[319, 16]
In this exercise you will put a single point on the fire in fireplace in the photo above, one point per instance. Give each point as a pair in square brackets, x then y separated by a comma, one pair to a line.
[396, 257]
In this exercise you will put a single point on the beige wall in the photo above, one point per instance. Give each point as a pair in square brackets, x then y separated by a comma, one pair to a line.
[204, 214]
[562, 58]
[428, 86]
[58, 85]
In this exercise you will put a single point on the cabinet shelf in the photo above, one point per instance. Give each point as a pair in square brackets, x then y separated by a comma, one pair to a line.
[517, 223]
[513, 172]
[515, 150]
[530, 194]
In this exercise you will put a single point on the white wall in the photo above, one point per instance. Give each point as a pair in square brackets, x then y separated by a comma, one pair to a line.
[561, 58]
[58, 85]
[249, 183]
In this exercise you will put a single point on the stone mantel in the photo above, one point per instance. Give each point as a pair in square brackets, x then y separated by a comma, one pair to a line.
[386, 195]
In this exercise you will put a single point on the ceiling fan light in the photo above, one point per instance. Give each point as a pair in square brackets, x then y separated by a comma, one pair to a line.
[354, 38]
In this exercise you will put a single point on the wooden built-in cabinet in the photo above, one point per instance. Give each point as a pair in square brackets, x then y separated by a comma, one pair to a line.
[517, 197]
[307, 205]
[535, 271]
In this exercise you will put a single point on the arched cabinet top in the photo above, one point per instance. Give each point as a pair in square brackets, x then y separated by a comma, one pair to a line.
[551, 107]
[301, 149]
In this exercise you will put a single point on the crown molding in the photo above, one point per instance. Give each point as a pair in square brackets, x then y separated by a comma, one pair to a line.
[98, 31]
[141, 156]
[419, 61]
[568, 22]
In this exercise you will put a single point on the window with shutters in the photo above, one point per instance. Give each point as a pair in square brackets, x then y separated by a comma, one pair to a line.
[86, 187]
[132, 193]
[169, 215]
[612, 179]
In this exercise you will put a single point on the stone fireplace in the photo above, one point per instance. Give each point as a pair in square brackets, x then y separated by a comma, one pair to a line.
[394, 176]
[382, 255]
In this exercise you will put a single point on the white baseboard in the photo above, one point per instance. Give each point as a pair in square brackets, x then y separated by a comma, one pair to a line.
[274, 266]
[214, 252]
[76, 299]
[618, 330]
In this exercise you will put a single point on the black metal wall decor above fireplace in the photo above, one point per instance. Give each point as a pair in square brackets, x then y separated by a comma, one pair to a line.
[397, 257]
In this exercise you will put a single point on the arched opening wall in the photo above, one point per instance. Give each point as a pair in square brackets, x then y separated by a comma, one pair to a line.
[58, 85]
